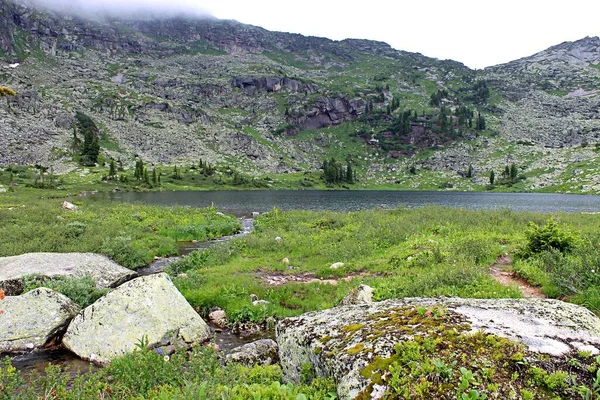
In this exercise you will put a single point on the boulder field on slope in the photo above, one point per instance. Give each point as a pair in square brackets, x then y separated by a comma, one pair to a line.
[148, 309]
[106, 273]
[341, 342]
[29, 321]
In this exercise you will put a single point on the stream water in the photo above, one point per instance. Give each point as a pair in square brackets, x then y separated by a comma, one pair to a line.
[36, 362]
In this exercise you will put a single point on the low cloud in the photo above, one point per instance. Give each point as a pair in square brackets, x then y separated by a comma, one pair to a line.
[123, 8]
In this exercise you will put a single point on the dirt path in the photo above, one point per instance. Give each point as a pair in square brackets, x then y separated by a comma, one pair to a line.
[500, 271]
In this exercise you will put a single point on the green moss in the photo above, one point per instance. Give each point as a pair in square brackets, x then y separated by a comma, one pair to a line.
[445, 360]
[353, 327]
[356, 349]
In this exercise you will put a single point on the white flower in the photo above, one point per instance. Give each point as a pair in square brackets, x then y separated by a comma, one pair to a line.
[166, 358]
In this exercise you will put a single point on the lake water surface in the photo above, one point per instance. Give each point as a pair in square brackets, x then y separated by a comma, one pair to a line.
[245, 202]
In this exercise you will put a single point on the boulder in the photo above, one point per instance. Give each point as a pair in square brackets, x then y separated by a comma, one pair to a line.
[341, 342]
[360, 295]
[149, 309]
[263, 352]
[218, 318]
[29, 321]
[105, 272]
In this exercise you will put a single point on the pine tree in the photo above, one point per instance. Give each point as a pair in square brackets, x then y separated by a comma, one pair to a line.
[146, 177]
[139, 170]
[91, 144]
[470, 171]
[154, 177]
[349, 174]
[492, 177]
[480, 122]
[514, 171]
[112, 170]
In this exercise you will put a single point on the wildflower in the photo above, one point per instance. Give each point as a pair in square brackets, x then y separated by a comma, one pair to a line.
[166, 358]
[2, 295]
[159, 351]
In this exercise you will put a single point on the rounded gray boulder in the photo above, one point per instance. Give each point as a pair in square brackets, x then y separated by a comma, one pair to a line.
[148, 309]
[29, 321]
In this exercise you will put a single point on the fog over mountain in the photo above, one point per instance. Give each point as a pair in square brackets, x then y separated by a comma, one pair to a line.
[120, 8]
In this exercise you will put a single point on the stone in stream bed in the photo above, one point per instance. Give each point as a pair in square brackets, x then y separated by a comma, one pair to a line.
[261, 352]
[148, 309]
[29, 321]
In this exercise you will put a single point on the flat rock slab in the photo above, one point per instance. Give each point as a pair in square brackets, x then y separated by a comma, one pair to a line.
[342, 341]
[105, 272]
[31, 320]
[149, 308]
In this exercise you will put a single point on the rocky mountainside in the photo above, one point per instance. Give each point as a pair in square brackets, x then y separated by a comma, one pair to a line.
[180, 89]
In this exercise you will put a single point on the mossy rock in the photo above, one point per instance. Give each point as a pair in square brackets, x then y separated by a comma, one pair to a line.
[356, 344]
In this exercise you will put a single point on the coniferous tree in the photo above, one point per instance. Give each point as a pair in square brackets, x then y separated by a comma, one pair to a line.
[513, 172]
[154, 177]
[349, 174]
[480, 122]
[470, 171]
[112, 170]
[492, 177]
[138, 174]
[91, 144]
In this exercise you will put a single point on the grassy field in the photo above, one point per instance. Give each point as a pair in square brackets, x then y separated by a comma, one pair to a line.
[287, 262]
[34, 221]
[430, 251]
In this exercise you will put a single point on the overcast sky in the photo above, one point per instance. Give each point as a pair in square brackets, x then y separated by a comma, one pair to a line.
[476, 33]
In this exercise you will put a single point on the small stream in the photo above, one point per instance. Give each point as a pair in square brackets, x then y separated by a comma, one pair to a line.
[36, 362]
[186, 248]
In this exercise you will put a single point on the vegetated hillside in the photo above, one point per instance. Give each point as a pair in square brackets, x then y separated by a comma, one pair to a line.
[177, 90]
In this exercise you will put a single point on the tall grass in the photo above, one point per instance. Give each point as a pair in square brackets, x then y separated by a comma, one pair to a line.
[432, 251]
[130, 234]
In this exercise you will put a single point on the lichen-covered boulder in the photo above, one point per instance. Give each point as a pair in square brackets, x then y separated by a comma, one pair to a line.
[262, 352]
[106, 273]
[342, 342]
[33, 319]
[148, 309]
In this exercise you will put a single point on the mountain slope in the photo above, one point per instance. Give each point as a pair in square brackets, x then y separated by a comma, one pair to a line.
[178, 90]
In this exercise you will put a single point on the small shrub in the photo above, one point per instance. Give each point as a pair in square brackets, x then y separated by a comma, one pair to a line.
[548, 237]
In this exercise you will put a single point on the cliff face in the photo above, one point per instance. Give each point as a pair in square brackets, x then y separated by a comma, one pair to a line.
[180, 88]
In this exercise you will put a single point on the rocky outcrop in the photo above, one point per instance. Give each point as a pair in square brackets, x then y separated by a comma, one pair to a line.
[106, 273]
[272, 84]
[327, 111]
[148, 309]
[342, 341]
[30, 321]
[261, 352]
